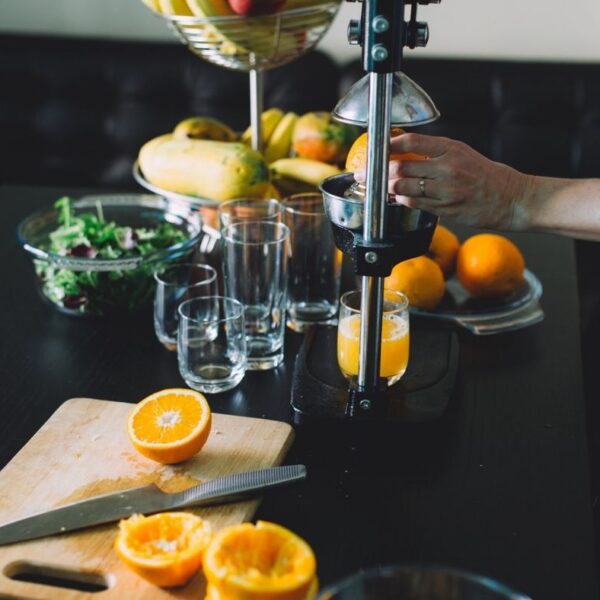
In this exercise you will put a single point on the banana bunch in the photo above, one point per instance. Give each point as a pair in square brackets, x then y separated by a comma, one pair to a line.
[277, 129]
[288, 175]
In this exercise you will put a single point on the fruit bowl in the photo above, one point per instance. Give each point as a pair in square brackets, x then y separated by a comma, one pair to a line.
[82, 279]
[260, 42]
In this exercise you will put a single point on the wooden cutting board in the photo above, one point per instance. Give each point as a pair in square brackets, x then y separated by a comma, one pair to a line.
[82, 451]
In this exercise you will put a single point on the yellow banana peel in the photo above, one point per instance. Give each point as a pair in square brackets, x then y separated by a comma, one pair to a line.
[269, 119]
[306, 170]
[280, 142]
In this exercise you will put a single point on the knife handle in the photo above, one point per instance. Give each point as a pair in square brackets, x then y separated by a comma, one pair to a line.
[232, 486]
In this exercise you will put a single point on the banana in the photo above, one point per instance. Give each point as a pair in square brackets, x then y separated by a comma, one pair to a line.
[204, 128]
[280, 142]
[305, 170]
[175, 7]
[269, 119]
[152, 5]
[210, 8]
[214, 8]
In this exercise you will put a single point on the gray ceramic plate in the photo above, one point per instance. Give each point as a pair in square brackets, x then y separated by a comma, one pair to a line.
[484, 317]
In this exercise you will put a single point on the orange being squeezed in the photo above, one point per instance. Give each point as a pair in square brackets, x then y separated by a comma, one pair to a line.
[394, 346]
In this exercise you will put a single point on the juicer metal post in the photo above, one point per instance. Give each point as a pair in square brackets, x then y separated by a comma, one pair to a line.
[382, 32]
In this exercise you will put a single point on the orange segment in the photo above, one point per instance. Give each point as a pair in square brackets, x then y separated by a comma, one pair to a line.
[259, 562]
[165, 549]
[171, 425]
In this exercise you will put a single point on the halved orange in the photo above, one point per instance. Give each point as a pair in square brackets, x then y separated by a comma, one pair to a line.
[259, 562]
[171, 425]
[357, 156]
[166, 549]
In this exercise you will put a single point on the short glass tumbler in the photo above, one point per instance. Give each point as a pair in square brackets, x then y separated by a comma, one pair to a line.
[413, 582]
[249, 209]
[174, 285]
[395, 339]
[255, 273]
[211, 343]
[314, 264]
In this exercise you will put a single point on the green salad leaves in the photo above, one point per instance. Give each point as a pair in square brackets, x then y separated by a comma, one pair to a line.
[89, 235]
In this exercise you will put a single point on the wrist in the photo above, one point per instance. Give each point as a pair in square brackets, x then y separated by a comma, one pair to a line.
[524, 207]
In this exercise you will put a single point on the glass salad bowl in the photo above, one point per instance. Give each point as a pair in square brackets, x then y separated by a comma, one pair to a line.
[97, 254]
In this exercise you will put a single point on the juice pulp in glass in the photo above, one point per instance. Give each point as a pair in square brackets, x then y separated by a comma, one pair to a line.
[394, 346]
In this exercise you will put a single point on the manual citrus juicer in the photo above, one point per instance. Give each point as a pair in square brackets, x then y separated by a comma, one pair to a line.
[375, 232]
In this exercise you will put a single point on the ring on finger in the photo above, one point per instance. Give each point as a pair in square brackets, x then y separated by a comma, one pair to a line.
[422, 187]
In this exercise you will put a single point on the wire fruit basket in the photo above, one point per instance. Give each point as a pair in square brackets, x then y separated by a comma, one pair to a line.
[246, 43]
[253, 44]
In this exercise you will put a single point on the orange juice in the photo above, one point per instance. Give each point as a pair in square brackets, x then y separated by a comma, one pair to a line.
[394, 346]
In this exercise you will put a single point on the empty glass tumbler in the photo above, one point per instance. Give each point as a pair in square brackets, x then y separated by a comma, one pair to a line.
[211, 343]
[249, 209]
[174, 285]
[255, 273]
[314, 264]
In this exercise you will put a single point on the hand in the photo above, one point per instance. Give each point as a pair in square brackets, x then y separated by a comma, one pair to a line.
[456, 182]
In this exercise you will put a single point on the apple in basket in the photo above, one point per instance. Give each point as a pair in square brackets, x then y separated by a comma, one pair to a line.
[253, 8]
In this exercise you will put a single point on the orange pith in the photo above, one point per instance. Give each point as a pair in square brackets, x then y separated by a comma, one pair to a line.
[489, 265]
[171, 425]
[166, 549]
[258, 562]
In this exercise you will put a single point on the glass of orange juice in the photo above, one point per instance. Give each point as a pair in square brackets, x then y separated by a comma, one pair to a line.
[395, 336]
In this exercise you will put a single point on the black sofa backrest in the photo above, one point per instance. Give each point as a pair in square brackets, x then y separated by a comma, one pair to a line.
[542, 118]
[76, 111]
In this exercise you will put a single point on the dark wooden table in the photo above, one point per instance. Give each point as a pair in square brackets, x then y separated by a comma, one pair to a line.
[499, 486]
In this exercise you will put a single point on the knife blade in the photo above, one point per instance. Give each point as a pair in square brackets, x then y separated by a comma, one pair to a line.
[146, 500]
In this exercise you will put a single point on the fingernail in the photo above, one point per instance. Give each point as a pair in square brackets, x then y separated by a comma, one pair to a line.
[360, 176]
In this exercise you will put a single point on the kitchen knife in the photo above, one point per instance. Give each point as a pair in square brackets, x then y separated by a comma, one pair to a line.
[145, 500]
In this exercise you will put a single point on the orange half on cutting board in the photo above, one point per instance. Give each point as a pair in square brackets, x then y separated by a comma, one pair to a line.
[166, 549]
[171, 425]
[258, 562]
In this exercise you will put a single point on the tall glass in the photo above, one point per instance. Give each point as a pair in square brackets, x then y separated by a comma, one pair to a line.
[174, 285]
[249, 209]
[211, 343]
[395, 337]
[255, 273]
[314, 265]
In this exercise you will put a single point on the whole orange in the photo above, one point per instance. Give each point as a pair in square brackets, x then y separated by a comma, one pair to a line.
[444, 249]
[489, 265]
[357, 155]
[421, 279]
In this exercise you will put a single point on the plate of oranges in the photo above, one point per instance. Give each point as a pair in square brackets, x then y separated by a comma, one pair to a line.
[481, 283]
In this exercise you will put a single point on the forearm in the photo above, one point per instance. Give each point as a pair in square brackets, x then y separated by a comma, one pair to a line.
[565, 206]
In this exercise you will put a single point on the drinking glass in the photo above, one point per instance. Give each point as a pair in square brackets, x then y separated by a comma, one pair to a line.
[394, 336]
[211, 343]
[419, 583]
[249, 209]
[255, 271]
[174, 285]
[314, 264]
